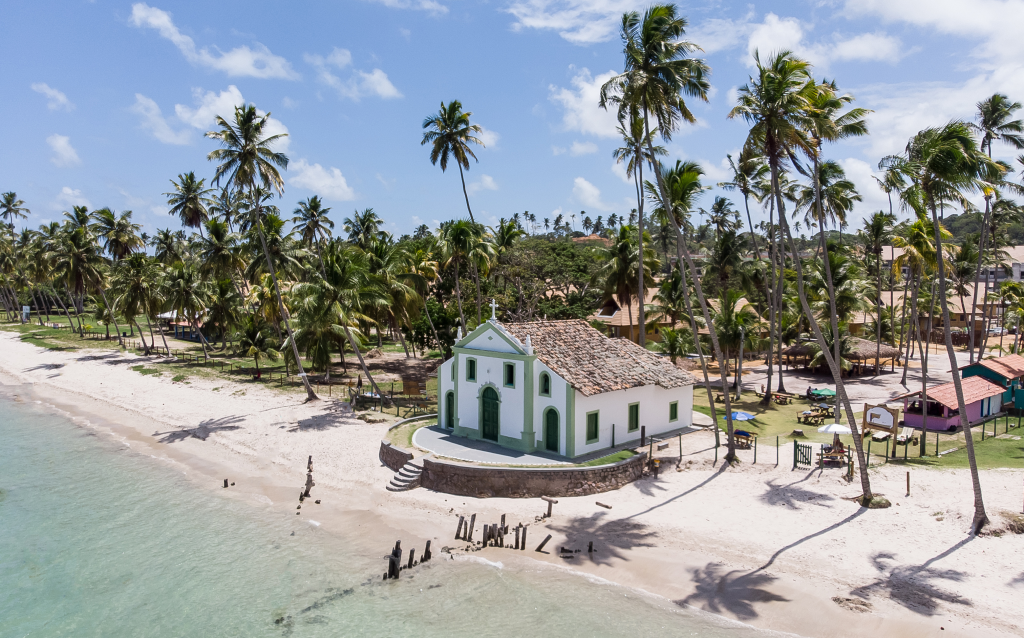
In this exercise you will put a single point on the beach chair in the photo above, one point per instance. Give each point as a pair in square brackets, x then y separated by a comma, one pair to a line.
[906, 437]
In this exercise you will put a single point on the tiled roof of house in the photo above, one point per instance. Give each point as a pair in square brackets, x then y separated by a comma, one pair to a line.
[975, 389]
[593, 363]
[1011, 366]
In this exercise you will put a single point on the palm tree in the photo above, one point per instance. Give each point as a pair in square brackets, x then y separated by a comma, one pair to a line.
[167, 247]
[189, 200]
[946, 164]
[876, 233]
[227, 206]
[363, 228]
[723, 217]
[254, 342]
[634, 152]
[994, 124]
[136, 285]
[190, 294]
[776, 103]
[247, 158]
[733, 321]
[120, 236]
[455, 241]
[838, 195]
[312, 223]
[620, 267]
[658, 72]
[12, 208]
[450, 133]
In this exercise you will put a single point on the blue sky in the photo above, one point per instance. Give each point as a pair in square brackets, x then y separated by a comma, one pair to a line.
[107, 101]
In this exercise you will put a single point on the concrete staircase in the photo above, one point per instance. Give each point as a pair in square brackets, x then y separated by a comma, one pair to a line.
[406, 478]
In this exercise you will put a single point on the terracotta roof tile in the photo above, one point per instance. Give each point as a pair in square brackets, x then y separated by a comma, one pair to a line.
[593, 363]
[1010, 366]
[975, 389]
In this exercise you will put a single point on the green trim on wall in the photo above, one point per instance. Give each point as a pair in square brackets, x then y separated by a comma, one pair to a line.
[570, 421]
[597, 438]
[504, 375]
[673, 407]
[494, 355]
[487, 326]
[475, 368]
[540, 382]
[543, 445]
[528, 438]
[629, 425]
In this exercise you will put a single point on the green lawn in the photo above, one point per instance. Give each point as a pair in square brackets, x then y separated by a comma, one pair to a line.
[780, 420]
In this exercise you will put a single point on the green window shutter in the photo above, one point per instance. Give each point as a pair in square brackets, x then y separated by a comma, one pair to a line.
[592, 428]
[545, 384]
[510, 375]
[471, 370]
[634, 417]
[673, 411]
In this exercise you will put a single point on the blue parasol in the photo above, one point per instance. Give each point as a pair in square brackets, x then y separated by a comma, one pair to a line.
[742, 416]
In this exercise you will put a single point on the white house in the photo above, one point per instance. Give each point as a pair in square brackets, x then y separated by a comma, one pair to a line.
[558, 386]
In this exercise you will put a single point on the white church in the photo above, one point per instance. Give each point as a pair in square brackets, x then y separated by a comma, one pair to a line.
[560, 387]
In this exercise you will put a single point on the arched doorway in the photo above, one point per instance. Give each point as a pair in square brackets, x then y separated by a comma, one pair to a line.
[551, 431]
[449, 411]
[489, 426]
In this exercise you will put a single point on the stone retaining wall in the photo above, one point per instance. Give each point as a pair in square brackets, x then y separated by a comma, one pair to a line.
[484, 482]
[393, 457]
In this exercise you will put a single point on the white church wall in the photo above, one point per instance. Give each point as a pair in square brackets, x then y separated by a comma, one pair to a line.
[613, 410]
[488, 340]
[557, 400]
[490, 371]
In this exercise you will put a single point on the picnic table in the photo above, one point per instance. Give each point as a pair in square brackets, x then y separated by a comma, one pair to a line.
[743, 439]
[829, 454]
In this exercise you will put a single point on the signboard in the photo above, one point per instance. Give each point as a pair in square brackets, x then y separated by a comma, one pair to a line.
[26, 312]
[882, 418]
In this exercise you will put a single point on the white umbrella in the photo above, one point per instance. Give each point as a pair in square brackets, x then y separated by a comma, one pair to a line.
[835, 428]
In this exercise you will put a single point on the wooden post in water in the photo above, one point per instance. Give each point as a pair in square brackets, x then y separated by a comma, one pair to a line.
[504, 528]
[643, 435]
[472, 524]
[517, 539]
[426, 553]
[522, 543]
[550, 502]
[458, 530]
[412, 553]
[908, 483]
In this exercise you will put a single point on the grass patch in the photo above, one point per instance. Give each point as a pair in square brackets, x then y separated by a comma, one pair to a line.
[178, 378]
[402, 437]
[621, 455]
[146, 371]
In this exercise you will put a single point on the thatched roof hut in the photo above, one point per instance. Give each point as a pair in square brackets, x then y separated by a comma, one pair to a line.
[861, 352]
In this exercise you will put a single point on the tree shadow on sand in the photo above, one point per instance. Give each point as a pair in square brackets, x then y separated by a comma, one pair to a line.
[1018, 581]
[201, 431]
[45, 366]
[916, 587]
[791, 496]
[734, 592]
[336, 413]
[649, 486]
[610, 536]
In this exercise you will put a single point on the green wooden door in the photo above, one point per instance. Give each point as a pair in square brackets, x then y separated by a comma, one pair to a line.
[449, 410]
[490, 427]
[551, 431]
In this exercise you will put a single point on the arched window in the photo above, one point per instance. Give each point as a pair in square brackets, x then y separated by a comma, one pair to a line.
[545, 384]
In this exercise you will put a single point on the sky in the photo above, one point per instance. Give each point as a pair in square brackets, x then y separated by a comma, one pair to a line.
[107, 102]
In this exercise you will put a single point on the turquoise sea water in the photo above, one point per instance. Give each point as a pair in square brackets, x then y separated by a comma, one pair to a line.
[96, 540]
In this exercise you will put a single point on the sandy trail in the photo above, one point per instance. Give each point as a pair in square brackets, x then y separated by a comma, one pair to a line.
[757, 543]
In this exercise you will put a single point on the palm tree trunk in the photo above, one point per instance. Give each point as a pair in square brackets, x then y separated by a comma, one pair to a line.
[426, 311]
[310, 395]
[731, 442]
[924, 378]
[903, 326]
[163, 337]
[878, 312]
[914, 329]
[696, 342]
[202, 338]
[739, 370]
[142, 337]
[39, 308]
[397, 329]
[466, 195]
[977, 280]
[71, 324]
[833, 365]
[152, 337]
[77, 314]
[479, 300]
[366, 371]
[980, 517]
[640, 234]
[828, 269]
[769, 280]
[113, 314]
[458, 297]
[629, 311]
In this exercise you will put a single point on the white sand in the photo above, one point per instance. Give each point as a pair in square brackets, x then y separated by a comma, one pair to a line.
[764, 545]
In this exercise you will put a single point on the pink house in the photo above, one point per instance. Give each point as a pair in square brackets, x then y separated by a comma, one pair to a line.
[982, 398]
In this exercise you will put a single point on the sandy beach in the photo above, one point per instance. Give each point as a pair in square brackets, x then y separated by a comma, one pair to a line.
[778, 549]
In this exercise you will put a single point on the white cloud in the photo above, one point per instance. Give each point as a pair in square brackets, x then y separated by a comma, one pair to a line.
[277, 127]
[868, 46]
[720, 34]
[715, 173]
[588, 194]
[257, 62]
[776, 34]
[327, 183]
[153, 121]
[430, 6]
[861, 174]
[580, 105]
[289, 103]
[359, 84]
[488, 137]
[208, 106]
[578, 21]
[619, 169]
[486, 182]
[69, 197]
[55, 100]
[558, 150]
[582, 148]
[63, 153]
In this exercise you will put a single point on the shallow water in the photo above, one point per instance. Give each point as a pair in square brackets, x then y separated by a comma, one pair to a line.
[97, 540]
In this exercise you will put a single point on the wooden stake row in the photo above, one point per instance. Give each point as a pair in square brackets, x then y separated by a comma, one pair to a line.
[395, 560]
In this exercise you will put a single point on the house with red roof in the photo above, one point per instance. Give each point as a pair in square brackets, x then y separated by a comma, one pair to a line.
[941, 411]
